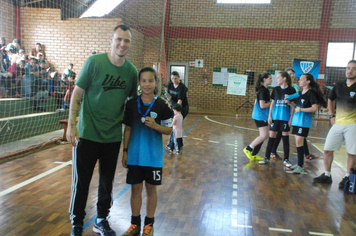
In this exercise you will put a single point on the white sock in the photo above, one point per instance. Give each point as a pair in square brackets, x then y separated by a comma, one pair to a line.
[251, 146]
[327, 173]
[98, 220]
[347, 175]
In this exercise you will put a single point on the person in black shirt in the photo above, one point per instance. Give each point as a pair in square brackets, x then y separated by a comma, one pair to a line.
[178, 92]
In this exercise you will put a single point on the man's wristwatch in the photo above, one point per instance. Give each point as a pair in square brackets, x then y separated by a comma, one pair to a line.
[331, 116]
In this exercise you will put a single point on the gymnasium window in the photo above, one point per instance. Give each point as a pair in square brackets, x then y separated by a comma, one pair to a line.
[243, 1]
[339, 54]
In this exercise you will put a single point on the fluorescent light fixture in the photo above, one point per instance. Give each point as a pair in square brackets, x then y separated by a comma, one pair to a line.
[101, 8]
[244, 1]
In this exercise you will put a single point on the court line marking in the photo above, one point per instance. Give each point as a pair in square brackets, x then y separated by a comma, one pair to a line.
[281, 230]
[198, 139]
[211, 141]
[255, 130]
[322, 151]
[35, 178]
[322, 234]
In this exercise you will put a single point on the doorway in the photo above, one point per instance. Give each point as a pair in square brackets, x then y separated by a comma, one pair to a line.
[181, 68]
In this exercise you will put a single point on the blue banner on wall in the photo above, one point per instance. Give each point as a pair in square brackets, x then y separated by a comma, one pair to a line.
[306, 66]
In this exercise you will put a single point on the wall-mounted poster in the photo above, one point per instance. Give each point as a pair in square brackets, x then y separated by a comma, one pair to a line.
[237, 84]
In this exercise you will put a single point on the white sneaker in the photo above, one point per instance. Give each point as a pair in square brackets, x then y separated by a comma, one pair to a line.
[294, 167]
[264, 161]
[287, 163]
[298, 170]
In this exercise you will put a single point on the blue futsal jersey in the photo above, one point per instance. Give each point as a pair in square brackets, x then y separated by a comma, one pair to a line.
[145, 145]
[304, 119]
[281, 109]
[259, 113]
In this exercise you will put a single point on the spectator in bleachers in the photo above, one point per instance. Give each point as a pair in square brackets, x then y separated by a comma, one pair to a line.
[40, 91]
[13, 48]
[2, 43]
[57, 88]
[68, 72]
[41, 58]
[31, 72]
[43, 74]
[26, 58]
[36, 50]
[5, 78]
[5, 57]
[69, 89]
[17, 56]
[18, 72]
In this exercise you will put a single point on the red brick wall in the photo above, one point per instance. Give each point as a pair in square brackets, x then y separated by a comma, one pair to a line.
[7, 21]
[246, 37]
[71, 40]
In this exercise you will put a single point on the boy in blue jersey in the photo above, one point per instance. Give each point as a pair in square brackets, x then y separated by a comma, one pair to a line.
[280, 116]
[260, 115]
[147, 117]
[306, 104]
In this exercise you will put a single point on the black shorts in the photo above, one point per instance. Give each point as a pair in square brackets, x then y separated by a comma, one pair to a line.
[279, 125]
[300, 131]
[261, 123]
[138, 174]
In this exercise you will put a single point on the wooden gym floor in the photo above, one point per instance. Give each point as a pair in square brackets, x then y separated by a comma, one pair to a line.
[209, 189]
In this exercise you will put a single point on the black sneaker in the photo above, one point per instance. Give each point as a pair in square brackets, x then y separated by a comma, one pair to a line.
[77, 230]
[103, 228]
[323, 179]
[342, 183]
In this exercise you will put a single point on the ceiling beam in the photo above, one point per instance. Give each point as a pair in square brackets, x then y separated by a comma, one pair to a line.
[82, 3]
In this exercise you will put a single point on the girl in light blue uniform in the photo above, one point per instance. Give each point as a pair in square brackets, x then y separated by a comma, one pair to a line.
[260, 115]
[306, 104]
[280, 116]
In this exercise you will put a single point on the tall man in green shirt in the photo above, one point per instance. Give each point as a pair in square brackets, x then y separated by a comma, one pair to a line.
[105, 81]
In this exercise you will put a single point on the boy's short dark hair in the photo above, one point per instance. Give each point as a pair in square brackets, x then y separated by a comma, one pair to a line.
[177, 107]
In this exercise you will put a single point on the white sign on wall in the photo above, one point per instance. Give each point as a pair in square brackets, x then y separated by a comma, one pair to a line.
[199, 63]
[236, 84]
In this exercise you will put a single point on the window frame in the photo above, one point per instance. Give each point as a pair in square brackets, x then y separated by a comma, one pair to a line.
[353, 52]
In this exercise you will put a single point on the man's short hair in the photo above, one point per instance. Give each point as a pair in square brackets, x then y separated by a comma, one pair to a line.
[352, 61]
[290, 68]
[71, 64]
[39, 44]
[16, 41]
[123, 27]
